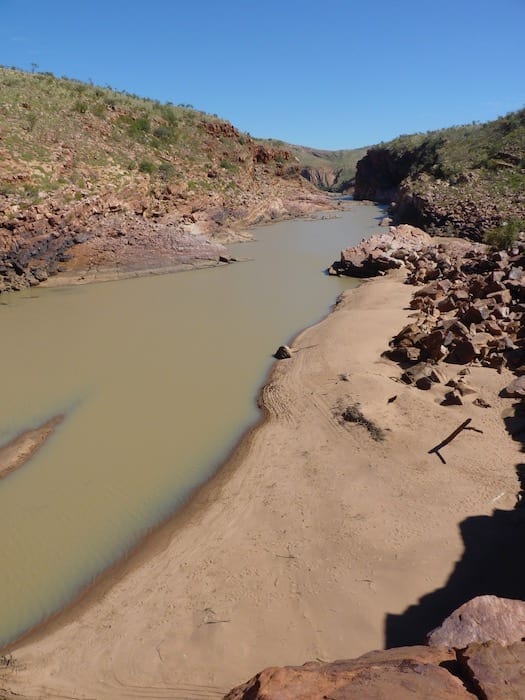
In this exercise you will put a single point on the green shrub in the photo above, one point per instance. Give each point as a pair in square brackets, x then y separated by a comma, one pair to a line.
[146, 166]
[227, 165]
[139, 126]
[505, 235]
[164, 133]
[80, 107]
[166, 171]
[98, 109]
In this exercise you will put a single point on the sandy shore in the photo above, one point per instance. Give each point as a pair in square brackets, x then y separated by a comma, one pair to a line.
[305, 543]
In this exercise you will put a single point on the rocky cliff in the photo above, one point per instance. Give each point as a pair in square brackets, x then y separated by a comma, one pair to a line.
[462, 181]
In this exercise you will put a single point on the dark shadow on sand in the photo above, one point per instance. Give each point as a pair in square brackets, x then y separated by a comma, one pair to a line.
[493, 562]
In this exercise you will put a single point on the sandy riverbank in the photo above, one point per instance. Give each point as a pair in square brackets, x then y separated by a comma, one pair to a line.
[308, 539]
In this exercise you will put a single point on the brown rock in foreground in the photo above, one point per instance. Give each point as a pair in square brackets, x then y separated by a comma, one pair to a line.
[497, 672]
[484, 618]
[396, 674]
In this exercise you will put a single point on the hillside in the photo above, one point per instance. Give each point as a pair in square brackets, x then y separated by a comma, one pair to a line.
[466, 180]
[93, 178]
[332, 171]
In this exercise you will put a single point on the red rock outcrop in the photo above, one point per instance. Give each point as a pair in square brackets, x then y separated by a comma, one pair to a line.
[396, 674]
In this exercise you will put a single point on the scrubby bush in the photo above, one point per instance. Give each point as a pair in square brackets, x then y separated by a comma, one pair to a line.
[166, 171]
[80, 107]
[146, 166]
[503, 236]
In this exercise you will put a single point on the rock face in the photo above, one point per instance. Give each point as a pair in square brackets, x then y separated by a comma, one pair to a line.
[379, 174]
[322, 177]
[396, 674]
[482, 619]
[462, 181]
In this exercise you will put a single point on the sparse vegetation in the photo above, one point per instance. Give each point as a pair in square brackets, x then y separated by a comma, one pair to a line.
[57, 132]
[146, 166]
[351, 413]
[502, 237]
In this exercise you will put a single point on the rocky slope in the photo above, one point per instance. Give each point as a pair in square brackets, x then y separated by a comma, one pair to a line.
[92, 178]
[461, 181]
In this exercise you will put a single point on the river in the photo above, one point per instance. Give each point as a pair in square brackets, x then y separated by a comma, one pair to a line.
[157, 378]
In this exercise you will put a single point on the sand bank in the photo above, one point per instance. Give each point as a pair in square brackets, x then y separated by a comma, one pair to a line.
[305, 543]
[18, 451]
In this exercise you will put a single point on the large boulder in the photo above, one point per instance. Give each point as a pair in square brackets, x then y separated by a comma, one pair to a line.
[484, 618]
[396, 674]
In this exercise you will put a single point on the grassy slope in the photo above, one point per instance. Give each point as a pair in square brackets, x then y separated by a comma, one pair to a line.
[63, 136]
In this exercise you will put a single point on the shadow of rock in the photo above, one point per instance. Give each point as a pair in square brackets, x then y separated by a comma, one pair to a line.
[492, 563]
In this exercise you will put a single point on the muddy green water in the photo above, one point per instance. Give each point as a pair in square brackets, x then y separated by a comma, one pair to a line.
[158, 378]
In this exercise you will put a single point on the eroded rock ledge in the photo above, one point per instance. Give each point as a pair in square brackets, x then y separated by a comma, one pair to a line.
[130, 232]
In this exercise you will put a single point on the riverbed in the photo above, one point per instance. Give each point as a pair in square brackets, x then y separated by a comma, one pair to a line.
[157, 378]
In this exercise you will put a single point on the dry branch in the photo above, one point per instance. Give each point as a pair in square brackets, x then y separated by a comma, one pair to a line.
[455, 433]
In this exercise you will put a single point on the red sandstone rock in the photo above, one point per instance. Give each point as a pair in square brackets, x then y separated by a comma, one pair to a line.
[395, 674]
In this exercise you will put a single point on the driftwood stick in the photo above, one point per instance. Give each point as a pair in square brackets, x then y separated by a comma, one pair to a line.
[455, 433]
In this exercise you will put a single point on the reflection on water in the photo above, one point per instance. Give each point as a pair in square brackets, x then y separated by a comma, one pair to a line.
[157, 377]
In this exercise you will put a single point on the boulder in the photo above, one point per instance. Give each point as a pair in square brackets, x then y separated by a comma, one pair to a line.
[483, 618]
[516, 390]
[283, 352]
[396, 674]
[496, 671]
[462, 352]
[419, 375]
[452, 398]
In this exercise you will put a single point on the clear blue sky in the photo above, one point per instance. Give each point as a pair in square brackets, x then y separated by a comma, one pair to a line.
[337, 74]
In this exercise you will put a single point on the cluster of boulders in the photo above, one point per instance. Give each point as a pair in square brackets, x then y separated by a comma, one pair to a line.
[381, 252]
[468, 308]
[477, 652]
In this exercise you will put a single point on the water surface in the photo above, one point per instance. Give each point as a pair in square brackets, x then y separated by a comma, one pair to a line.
[158, 378]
